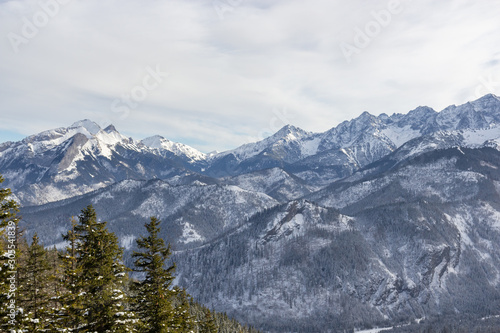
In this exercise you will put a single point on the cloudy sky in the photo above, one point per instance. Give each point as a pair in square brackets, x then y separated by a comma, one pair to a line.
[217, 74]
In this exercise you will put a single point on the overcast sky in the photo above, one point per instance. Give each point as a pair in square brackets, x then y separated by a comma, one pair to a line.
[217, 74]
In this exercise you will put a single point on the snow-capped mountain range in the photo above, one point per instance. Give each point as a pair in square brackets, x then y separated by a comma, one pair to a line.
[65, 162]
[378, 220]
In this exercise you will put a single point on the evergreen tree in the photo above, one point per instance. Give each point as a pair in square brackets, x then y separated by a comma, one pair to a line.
[208, 324]
[33, 287]
[182, 320]
[9, 233]
[70, 314]
[211, 321]
[153, 296]
[55, 288]
[101, 276]
[8, 208]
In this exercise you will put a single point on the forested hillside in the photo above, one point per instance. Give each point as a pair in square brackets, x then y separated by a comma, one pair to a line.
[86, 288]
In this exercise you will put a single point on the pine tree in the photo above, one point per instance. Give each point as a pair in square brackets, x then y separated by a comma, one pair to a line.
[153, 296]
[55, 288]
[70, 314]
[8, 208]
[33, 287]
[182, 320]
[101, 276]
[208, 324]
[9, 232]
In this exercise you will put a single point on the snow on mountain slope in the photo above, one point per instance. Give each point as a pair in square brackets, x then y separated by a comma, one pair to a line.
[191, 214]
[321, 158]
[91, 157]
[179, 149]
[89, 125]
[285, 138]
[65, 162]
[467, 138]
[400, 135]
[275, 182]
[481, 137]
[42, 142]
[445, 175]
[289, 145]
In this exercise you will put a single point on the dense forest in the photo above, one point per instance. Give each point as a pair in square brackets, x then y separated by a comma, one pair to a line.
[87, 288]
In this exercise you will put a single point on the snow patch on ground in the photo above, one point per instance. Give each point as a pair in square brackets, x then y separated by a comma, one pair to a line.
[189, 234]
[310, 147]
[375, 330]
[494, 216]
[479, 137]
[50, 193]
[489, 165]
[462, 227]
[400, 135]
[105, 151]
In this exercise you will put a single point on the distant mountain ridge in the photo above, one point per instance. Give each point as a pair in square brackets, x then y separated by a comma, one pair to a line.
[46, 167]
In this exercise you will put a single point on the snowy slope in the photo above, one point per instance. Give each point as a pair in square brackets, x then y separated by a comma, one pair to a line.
[321, 158]
[65, 162]
[179, 149]
[275, 182]
[190, 213]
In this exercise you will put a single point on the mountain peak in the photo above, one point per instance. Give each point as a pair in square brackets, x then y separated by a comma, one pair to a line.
[488, 97]
[421, 111]
[486, 102]
[365, 117]
[110, 129]
[89, 125]
[154, 141]
[290, 130]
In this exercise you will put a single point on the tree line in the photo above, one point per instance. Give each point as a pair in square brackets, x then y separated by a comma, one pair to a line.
[85, 287]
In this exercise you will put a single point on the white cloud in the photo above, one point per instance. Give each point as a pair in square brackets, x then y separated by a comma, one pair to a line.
[228, 77]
